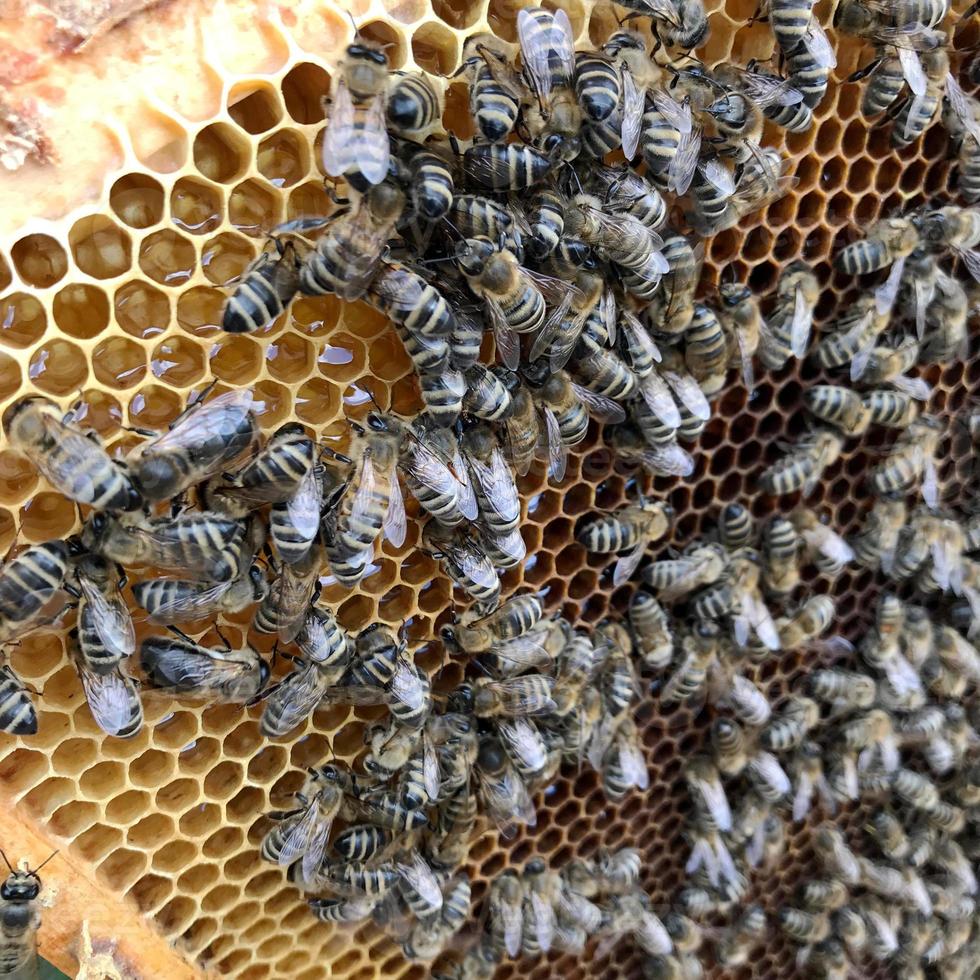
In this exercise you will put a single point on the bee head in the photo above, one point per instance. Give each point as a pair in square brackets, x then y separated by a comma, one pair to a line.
[20, 886]
[377, 423]
[448, 636]
[461, 699]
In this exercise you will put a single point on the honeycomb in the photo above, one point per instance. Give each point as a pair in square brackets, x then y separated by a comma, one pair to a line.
[120, 301]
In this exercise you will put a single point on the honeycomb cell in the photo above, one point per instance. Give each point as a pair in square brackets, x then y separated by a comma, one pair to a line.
[283, 158]
[178, 361]
[195, 206]
[435, 49]
[253, 208]
[46, 516]
[236, 358]
[255, 106]
[119, 362]
[137, 200]
[81, 311]
[167, 257]
[22, 320]
[100, 248]
[39, 260]
[389, 38]
[303, 89]
[58, 367]
[18, 478]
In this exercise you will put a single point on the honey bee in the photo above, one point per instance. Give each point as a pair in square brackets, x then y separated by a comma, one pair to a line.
[346, 257]
[819, 538]
[500, 789]
[465, 561]
[355, 142]
[799, 715]
[674, 578]
[516, 697]
[735, 944]
[341, 909]
[630, 529]
[651, 631]
[283, 609]
[301, 833]
[431, 936]
[956, 229]
[548, 54]
[710, 856]
[621, 189]
[788, 327]
[184, 668]
[479, 633]
[105, 628]
[492, 480]
[834, 855]
[67, 457]
[839, 406]
[916, 113]
[27, 583]
[810, 63]
[742, 322]
[623, 765]
[911, 462]
[845, 690]
[200, 544]
[20, 918]
[877, 544]
[801, 926]
[853, 339]
[263, 291]
[810, 782]
[887, 241]
[698, 651]
[18, 715]
[495, 90]
[112, 697]
[803, 466]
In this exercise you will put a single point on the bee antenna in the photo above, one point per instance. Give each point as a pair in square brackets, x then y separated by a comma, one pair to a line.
[6, 862]
[353, 24]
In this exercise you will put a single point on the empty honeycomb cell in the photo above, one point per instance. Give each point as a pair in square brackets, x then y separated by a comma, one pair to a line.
[283, 158]
[388, 359]
[97, 841]
[126, 807]
[39, 260]
[148, 832]
[255, 106]
[198, 756]
[253, 208]
[176, 915]
[151, 891]
[225, 257]
[178, 361]
[119, 362]
[22, 320]
[245, 804]
[290, 358]
[236, 358]
[137, 200]
[221, 152]
[18, 478]
[177, 795]
[912, 175]
[153, 407]
[303, 88]
[196, 206]
[167, 257]
[43, 800]
[435, 49]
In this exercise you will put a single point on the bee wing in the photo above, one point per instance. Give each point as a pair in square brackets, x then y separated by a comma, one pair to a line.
[508, 343]
[600, 407]
[632, 763]
[690, 393]
[637, 335]
[803, 797]
[431, 776]
[406, 687]
[535, 53]
[524, 651]
[743, 343]
[475, 567]
[466, 495]
[295, 698]
[915, 77]
[512, 924]
[111, 698]
[683, 166]
[61, 468]
[755, 614]
[497, 484]
[626, 565]
[430, 471]
[213, 418]
[718, 175]
[688, 579]
[668, 460]
[395, 522]
[767, 91]
[767, 765]
[543, 920]
[859, 362]
[678, 114]
[923, 293]
[829, 543]
[305, 505]
[607, 315]
[664, 10]
[960, 105]
[799, 330]
[819, 46]
[190, 604]
[111, 618]
[339, 134]
[419, 876]
[971, 261]
[508, 802]
[347, 146]
[524, 741]
[930, 481]
[634, 99]
[552, 329]
[306, 838]
[557, 453]
[886, 293]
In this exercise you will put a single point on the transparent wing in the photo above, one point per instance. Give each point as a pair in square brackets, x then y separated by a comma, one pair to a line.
[305, 830]
[524, 742]
[656, 394]
[424, 466]
[112, 699]
[719, 176]
[190, 603]
[420, 877]
[959, 103]
[829, 543]
[304, 506]
[295, 698]
[799, 331]
[757, 613]
[819, 46]
[112, 620]
[566, 48]
[668, 460]
[465, 493]
[406, 686]
[431, 776]
[600, 407]
[213, 418]
[766, 91]
[62, 469]
[543, 920]
[626, 565]
[497, 485]
[475, 567]
[633, 103]
[395, 522]
[535, 52]
[683, 166]
[508, 343]
[803, 796]
[971, 261]
[690, 393]
[524, 651]
[637, 335]
[632, 763]
[745, 358]
[676, 113]
[339, 134]
[557, 453]
[915, 77]
[886, 293]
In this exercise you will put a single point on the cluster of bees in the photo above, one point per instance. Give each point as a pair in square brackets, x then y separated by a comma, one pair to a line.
[536, 286]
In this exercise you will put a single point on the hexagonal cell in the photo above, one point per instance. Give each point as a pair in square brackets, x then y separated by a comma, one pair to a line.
[435, 49]
[196, 206]
[199, 310]
[236, 358]
[137, 200]
[81, 310]
[221, 152]
[18, 477]
[255, 106]
[119, 362]
[22, 320]
[39, 260]
[142, 310]
[283, 158]
[303, 89]
[167, 257]
[101, 248]
[58, 367]
[253, 208]
[390, 39]
[178, 361]
[46, 516]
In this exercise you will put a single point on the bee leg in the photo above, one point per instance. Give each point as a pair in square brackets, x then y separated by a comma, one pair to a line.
[149, 433]
[180, 633]
[856, 76]
[123, 579]
[71, 590]
[224, 639]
